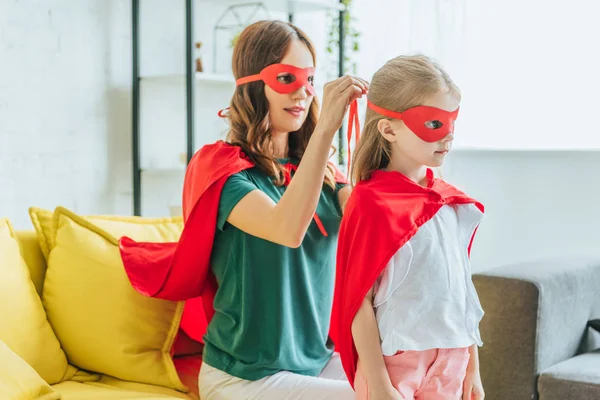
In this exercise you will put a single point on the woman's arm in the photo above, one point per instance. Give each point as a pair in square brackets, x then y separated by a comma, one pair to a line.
[287, 221]
[366, 339]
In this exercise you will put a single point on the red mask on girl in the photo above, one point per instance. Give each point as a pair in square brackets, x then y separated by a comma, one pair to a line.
[429, 123]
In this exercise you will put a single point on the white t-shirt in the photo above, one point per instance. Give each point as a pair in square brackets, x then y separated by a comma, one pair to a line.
[425, 298]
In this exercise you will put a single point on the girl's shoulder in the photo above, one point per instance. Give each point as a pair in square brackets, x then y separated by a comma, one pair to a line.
[366, 198]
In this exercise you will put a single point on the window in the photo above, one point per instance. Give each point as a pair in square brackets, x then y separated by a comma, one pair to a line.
[529, 70]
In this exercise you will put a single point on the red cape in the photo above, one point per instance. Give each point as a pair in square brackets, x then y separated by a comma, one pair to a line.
[385, 212]
[181, 270]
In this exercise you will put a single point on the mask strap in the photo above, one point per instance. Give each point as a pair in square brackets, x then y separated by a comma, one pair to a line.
[353, 122]
[252, 78]
[223, 113]
[246, 79]
[384, 112]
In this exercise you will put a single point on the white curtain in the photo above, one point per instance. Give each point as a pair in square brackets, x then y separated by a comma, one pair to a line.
[529, 70]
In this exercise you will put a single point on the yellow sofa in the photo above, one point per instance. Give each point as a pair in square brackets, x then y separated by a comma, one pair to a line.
[71, 326]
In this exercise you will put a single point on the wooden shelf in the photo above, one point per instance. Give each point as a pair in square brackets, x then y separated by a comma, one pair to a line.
[297, 6]
[200, 77]
[164, 170]
[212, 88]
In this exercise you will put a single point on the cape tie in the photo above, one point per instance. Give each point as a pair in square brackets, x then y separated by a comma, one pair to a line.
[287, 178]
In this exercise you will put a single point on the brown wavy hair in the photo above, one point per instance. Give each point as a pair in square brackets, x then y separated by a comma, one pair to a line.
[260, 45]
[402, 83]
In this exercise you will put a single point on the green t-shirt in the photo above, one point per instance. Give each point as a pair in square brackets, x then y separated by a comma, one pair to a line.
[273, 304]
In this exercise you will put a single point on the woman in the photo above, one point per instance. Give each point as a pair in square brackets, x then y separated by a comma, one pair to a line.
[258, 243]
[273, 256]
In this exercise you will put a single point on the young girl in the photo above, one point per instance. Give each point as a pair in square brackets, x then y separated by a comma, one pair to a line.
[405, 312]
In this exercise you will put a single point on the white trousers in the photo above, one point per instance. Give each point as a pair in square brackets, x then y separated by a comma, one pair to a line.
[331, 384]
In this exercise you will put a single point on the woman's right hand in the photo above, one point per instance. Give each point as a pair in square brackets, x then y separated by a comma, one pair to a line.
[287, 221]
[384, 393]
[337, 96]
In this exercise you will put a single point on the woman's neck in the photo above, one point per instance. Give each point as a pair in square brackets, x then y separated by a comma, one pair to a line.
[280, 145]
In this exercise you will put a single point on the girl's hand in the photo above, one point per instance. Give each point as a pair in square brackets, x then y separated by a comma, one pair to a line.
[384, 393]
[472, 386]
[337, 96]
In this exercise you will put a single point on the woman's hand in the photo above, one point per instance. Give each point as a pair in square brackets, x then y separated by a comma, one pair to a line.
[472, 385]
[337, 96]
[287, 221]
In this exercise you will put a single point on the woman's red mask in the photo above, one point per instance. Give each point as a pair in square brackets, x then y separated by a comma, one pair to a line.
[283, 78]
[429, 123]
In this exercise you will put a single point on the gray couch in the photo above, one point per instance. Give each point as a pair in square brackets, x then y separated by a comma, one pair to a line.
[537, 344]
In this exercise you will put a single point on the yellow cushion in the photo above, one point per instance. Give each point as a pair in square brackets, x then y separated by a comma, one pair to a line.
[97, 391]
[42, 223]
[152, 389]
[32, 254]
[115, 225]
[23, 324]
[18, 381]
[103, 324]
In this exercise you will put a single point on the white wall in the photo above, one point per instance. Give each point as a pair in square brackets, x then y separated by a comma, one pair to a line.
[528, 86]
[65, 102]
[512, 66]
[64, 106]
[538, 204]
[163, 124]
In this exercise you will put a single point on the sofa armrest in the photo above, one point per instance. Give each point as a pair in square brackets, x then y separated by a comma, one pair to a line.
[535, 316]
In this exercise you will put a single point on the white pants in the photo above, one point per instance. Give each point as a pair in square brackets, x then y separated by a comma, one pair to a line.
[215, 384]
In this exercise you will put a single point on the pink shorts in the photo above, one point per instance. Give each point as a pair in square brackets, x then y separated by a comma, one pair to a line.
[423, 375]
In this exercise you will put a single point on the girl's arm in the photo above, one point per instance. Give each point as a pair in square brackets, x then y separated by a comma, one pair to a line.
[474, 357]
[343, 196]
[366, 339]
[472, 385]
[287, 221]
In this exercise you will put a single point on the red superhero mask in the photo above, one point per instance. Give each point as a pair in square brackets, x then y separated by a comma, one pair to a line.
[293, 78]
[429, 123]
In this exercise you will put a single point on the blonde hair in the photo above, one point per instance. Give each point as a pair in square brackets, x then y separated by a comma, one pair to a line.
[402, 83]
[261, 44]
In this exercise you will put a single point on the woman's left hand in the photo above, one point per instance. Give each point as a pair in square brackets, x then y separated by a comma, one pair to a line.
[472, 386]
